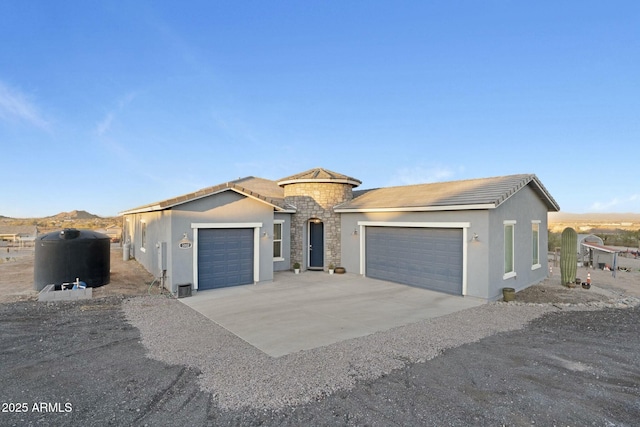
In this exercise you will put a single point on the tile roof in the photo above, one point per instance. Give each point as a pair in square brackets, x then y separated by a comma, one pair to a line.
[481, 193]
[259, 188]
[319, 175]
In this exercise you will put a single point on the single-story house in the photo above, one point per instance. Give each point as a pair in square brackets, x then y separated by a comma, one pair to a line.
[471, 237]
[18, 233]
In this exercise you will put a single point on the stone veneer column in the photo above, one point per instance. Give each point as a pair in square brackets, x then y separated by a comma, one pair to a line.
[316, 200]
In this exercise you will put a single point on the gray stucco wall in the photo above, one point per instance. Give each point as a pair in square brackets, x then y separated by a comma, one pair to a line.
[170, 225]
[485, 257]
[523, 207]
[285, 264]
[226, 207]
[157, 230]
[477, 261]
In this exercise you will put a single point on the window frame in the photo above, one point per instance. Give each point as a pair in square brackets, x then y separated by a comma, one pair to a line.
[535, 244]
[278, 222]
[507, 274]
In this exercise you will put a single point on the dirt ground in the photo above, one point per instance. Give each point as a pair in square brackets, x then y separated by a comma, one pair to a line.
[604, 286]
[81, 363]
[127, 278]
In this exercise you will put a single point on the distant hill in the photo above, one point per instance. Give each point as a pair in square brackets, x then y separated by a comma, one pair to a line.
[593, 217]
[74, 219]
[74, 215]
[594, 222]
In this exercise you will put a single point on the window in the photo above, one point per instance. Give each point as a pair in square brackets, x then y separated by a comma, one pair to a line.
[535, 245]
[509, 253]
[277, 240]
[143, 235]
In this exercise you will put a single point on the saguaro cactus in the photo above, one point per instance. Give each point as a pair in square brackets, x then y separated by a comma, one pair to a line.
[569, 256]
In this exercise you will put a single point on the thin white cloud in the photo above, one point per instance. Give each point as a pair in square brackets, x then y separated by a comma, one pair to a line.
[421, 175]
[616, 203]
[14, 106]
[104, 125]
[126, 99]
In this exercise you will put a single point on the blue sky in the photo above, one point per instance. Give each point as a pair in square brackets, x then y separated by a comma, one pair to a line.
[105, 106]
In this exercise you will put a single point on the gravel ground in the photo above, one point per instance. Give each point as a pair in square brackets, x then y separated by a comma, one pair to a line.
[81, 364]
[574, 365]
[556, 356]
[240, 375]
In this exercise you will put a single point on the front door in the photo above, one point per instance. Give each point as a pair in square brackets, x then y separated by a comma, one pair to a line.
[316, 245]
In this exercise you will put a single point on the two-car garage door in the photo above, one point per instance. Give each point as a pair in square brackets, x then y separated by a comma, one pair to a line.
[225, 257]
[429, 258]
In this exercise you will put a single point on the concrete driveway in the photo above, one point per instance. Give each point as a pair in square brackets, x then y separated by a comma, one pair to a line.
[315, 309]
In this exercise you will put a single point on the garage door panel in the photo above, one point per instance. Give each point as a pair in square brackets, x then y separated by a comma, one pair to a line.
[225, 257]
[425, 257]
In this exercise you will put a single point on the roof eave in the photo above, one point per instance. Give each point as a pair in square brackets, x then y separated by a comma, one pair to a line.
[552, 205]
[600, 247]
[142, 209]
[320, 180]
[551, 202]
[231, 187]
[418, 208]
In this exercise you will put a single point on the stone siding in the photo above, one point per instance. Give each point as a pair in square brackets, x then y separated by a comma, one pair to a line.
[316, 200]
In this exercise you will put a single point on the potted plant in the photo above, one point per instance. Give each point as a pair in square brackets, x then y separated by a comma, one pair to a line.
[296, 267]
[331, 268]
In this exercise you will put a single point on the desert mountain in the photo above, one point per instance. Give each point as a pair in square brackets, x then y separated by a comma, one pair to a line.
[75, 214]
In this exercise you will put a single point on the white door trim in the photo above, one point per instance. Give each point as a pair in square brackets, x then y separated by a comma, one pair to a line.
[312, 220]
[362, 226]
[256, 244]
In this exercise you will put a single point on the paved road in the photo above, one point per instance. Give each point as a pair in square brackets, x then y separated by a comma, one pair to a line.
[82, 364]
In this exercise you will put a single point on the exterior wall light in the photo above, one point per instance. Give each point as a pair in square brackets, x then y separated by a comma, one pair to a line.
[185, 243]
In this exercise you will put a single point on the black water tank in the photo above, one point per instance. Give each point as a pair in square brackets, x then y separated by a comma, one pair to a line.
[63, 256]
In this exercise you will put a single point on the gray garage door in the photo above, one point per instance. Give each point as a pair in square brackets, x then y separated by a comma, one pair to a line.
[429, 258]
[225, 257]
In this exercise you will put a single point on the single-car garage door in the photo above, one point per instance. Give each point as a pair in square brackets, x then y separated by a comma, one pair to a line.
[225, 257]
[429, 258]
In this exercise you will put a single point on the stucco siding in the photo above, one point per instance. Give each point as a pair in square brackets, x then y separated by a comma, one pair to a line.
[485, 255]
[156, 229]
[171, 225]
[523, 208]
[226, 207]
[285, 263]
[477, 251]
